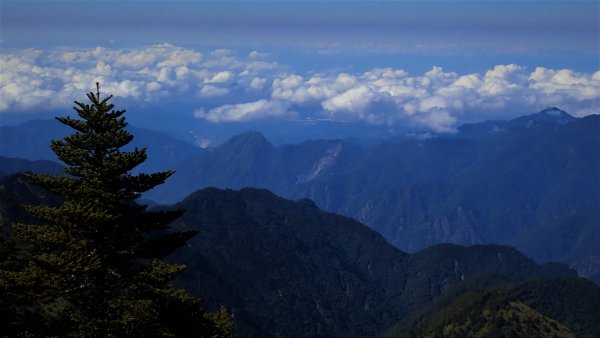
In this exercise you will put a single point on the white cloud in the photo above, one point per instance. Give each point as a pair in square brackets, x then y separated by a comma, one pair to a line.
[209, 91]
[502, 71]
[221, 77]
[257, 55]
[222, 58]
[439, 120]
[245, 111]
[32, 79]
[103, 68]
[345, 81]
[296, 89]
[433, 102]
[384, 73]
[164, 75]
[352, 100]
[126, 88]
[565, 84]
[181, 57]
[181, 73]
[221, 52]
[471, 81]
[290, 88]
[258, 83]
[437, 98]
[136, 59]
[290, 82]
[144, 74]
[153, 86]
[568, 77]
[437, 74]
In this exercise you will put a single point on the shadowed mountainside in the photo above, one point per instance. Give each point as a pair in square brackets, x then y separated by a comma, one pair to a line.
[286, 268]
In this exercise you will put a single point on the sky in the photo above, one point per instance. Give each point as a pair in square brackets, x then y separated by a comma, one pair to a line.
[422, 65]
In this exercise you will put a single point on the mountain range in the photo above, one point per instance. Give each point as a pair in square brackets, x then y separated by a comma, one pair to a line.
[287, 269]
[506, 182]
[531, 182]
[31, 141]
[11, 165]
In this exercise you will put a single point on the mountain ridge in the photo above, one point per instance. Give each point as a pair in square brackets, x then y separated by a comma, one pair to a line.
[238, 230]
[31, 141]
[506, 187]
[286, 268]
[501, 188]
[12, 165]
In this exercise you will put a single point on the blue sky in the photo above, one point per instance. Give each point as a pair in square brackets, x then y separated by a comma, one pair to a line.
[426, 64]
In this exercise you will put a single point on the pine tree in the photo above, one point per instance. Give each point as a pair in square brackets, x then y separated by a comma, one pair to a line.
[94, 265]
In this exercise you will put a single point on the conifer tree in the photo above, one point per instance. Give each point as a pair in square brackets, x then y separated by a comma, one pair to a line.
[94, 265]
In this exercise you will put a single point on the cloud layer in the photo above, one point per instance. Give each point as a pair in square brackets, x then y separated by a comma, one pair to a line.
[35, 79]
[226, 87]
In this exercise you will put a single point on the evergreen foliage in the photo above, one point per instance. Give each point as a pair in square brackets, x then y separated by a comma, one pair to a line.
[489, 314]
[93, 266]
[572, 302]
[288, 269]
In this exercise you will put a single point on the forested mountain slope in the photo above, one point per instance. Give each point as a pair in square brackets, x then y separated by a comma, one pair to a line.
[286, 268]
[289, 269]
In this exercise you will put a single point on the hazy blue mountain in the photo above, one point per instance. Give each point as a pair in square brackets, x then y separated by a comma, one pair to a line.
[9, 165]
[250, 160]
[493, 182]
[552, 114]
[31, 141]
[497, 128]
[573, 238]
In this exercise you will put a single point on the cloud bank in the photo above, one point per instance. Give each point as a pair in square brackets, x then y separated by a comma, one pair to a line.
[226, 87]
[245, 111]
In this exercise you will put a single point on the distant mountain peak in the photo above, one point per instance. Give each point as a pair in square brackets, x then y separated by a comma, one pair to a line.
[555, 112]
[249, 137]
[551, 114]
[484, 129]
[252, 135]
[248, 141]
